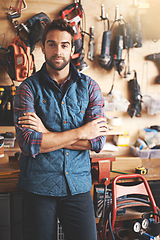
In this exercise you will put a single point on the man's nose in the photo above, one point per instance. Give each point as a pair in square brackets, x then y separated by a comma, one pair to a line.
[58, 50]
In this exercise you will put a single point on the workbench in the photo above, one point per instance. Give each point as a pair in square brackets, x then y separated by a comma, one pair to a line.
[9, 170]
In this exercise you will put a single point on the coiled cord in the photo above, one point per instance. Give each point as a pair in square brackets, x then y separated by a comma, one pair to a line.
[105, 222]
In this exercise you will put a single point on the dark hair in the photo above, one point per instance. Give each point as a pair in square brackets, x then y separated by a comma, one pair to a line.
[58, 24]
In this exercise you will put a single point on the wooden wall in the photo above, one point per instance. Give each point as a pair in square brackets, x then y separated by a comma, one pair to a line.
[146, 71]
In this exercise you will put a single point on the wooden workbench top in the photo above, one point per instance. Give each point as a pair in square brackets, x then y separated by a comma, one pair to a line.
[9, 170]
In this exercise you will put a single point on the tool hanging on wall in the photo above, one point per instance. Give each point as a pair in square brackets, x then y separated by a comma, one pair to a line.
[16, 10]
[73, 14]
[155, 57]
[34, 27]
[91, 51]
[119, 36]
[134, 108]
[118, 42]
[105, 59]
[127, 33]
[19, 60]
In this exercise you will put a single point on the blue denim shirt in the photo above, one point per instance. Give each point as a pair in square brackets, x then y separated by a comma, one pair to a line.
[64, 171]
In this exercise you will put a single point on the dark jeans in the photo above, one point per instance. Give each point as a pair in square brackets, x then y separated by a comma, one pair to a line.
[76, 214]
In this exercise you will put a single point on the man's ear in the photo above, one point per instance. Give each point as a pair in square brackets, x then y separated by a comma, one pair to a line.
[72, 51]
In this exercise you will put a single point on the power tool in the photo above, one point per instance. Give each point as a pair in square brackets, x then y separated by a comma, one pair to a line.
[117, 49]
[105, 60]
[73, 15]
[134, 108]
[91, 52]
[20, 61]
[34, 27]
[117, 42]
[155, 57]
[127, 33]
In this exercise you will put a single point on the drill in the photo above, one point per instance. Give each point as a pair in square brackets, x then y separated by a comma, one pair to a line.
[105, 59]
[73, 15]
[155, 57]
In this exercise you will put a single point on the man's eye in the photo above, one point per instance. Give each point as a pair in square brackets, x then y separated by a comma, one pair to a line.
[51, 44]
[65, 46]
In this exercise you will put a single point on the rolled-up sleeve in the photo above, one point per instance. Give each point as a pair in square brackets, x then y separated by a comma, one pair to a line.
[29, 140]
[95, 110]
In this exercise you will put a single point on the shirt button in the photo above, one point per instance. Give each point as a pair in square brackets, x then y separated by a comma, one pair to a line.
[67, 153]
[65, 121]
[44, 101]
[63, 102]
[67, 173]
[82, 111]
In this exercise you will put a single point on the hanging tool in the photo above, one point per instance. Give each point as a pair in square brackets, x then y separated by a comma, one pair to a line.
[127, 33]
[118, 43]
[20, 60]
[34, 27]
[105, 59]
[155, 57]
[16, 11]
[136, 97]
[73, 15]
[91, 52]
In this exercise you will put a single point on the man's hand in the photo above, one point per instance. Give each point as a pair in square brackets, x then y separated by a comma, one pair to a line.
[32, 121]
[93, 129]
[90, 130]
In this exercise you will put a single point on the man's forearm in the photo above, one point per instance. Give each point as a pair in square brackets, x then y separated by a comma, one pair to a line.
[80, 145]
[55, 140]
[74, 139]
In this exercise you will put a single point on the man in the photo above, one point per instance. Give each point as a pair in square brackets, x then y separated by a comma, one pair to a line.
[59, 118]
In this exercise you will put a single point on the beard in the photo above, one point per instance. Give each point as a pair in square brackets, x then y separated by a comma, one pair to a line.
[58, 66]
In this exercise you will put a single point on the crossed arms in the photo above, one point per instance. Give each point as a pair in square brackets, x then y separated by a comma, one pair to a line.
[72, 139]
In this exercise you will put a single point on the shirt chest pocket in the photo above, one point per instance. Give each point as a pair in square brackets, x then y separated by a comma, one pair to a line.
[48, 110]
[76, 112]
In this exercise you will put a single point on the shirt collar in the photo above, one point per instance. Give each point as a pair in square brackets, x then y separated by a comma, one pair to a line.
[75, 75]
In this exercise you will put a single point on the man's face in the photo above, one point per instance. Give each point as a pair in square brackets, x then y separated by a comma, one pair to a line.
[57, 49]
